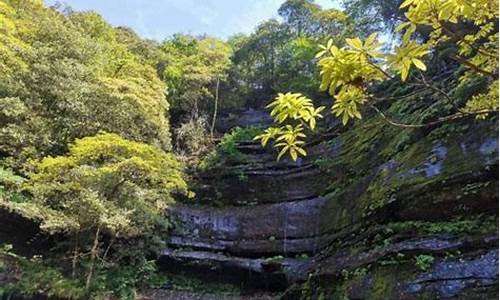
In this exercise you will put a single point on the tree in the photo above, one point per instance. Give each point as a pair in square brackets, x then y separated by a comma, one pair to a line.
[216, 55]
[375, 15]
[279, 55]
[195, 68]
[348, 72]
[70, 76]
[67, 77]
[105, 186]
[300, 15]
[270, 59]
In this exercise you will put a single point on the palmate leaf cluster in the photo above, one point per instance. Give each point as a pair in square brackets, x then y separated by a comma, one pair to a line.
[300, 112]
[348, 71]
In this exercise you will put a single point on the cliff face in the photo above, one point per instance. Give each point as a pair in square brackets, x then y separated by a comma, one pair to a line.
[373, 212]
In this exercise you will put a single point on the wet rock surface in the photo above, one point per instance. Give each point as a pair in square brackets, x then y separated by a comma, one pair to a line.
[449, 279]
[242, 117]
[289, 224]
[288, 227]
[181, 295]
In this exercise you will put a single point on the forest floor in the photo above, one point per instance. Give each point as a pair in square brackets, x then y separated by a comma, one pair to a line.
[184, 295]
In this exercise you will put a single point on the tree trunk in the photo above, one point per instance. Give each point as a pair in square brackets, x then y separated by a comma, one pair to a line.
[74, 262]
[216, 102]
[93, 255]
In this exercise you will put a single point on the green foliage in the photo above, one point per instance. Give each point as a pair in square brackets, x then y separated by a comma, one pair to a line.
[193, 67]
[424, 262]
[279, 56]
[297, 110]
[105, 182]
[484, 100]
[9, 180]
[44, 276]
[127, 280]
[184, 282]
[107, 196]
[477, 224]
[36, 277]
[374, 15]
[227, 151]
[11, 186]
[69, 76]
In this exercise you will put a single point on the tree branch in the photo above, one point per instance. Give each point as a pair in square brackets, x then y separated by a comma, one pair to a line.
[381, 70]
[440, 91]
[456, 116]
[472, 66]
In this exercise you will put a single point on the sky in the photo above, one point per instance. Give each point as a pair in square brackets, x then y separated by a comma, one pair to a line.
[159, 19]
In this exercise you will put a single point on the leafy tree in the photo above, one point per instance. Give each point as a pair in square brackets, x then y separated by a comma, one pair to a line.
[349, 71]
[271, 59]
[69, 76]
[280, 55]
[216, 55]
[195, 68]
[299, 14]
[375, 15]
[105, 186]
[256, 59]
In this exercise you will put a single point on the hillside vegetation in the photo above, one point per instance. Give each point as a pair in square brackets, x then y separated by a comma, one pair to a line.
[319, 154]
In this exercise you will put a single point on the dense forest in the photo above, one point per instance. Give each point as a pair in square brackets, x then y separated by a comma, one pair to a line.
[195, 164]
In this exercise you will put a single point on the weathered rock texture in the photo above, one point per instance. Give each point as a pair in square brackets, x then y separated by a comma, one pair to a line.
[372, 213]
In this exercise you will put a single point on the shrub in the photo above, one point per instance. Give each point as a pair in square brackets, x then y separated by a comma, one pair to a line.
[227, 151]
[104, 192]
[193, 138]
[424, 262]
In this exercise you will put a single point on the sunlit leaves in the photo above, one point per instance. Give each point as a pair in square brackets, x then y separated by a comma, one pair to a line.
[269, 133]
[105, 181]
[355, 43]
[345, 72]
[406, 56]
[477, 50]
[289, 141]
[290, 108]
[295, 107]
[368, 48]
[484, 101]
[346, 103]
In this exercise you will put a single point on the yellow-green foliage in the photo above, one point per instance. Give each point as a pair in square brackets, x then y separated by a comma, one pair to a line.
[348, 72]
[104, 181]
[103, 193]
[297, 110]
[10, 43]
[72, 75]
